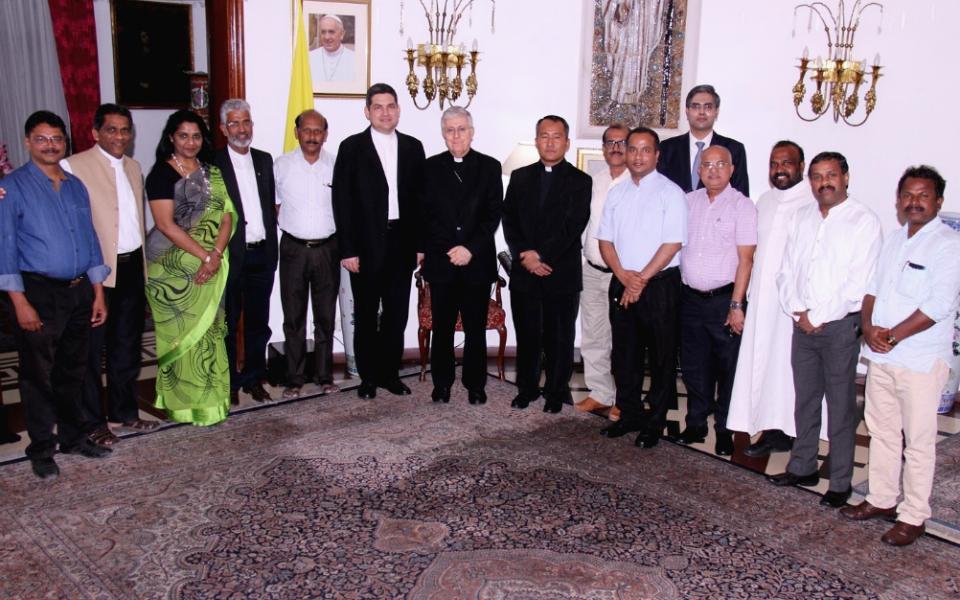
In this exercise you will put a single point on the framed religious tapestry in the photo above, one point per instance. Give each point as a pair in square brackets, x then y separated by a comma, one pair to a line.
[152, 53]
[338, 38]
[632, 63]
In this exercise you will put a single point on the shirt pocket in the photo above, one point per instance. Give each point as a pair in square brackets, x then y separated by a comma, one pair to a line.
[913, 281]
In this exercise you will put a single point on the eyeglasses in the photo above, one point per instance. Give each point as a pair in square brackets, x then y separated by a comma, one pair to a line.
[615, 144]
[42, 140]
[720, 164]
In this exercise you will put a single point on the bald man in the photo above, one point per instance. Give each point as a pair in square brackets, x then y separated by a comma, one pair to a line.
[331, 61]
[715, 269]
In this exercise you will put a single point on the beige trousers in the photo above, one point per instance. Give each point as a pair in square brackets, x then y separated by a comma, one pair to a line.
[595, 335]
[899, 400]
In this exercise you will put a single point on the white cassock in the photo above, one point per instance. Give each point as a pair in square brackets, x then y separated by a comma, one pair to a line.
[763, 395]
[331, 66]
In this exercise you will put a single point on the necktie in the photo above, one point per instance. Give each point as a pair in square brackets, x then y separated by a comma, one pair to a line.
[695, 173]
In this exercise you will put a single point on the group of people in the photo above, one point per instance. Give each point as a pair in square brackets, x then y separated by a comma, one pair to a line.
[662, 253]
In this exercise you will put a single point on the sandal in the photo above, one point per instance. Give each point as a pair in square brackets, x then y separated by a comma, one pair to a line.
[103, 437]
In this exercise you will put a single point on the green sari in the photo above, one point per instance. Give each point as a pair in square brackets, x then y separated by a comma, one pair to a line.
[193, 375]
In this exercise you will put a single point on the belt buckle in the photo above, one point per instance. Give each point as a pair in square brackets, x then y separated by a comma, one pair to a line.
[75, 282]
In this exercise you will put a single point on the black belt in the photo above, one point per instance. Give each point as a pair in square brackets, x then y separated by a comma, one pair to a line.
[129, 256]
[308, 243]
[53, 281]
[393, 224]
[665, 273]
[599, 268]
[255, 245]
[727, 289]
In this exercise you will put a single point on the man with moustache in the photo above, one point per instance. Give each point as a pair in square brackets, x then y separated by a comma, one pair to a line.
[53, 272]
[309, 258]
[830, 257]
[545, 211]
[644, 225]
[908, 329]
[680, 156]
[715, 268]
[377, 203]
[332, 61]
[115, 185]
[463, 196]
[248, 176]
[595, 332]
[763, 396]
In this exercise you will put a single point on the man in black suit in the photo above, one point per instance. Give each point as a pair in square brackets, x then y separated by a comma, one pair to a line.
[680, 155]
[248, 176]
[463, 198]
[377, 202]
[545, 211]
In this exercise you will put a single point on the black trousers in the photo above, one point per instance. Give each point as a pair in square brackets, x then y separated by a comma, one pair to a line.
[119, 339]
[708, 357]
[647, 329]
[53, 362]
[309, 273]
[471, 302]
[248, 292]
[378, 336]
[545, 325]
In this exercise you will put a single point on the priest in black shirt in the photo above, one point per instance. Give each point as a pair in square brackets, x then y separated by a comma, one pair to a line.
[462, 206]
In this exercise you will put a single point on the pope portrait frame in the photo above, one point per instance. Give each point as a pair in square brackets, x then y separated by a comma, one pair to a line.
[355, 15]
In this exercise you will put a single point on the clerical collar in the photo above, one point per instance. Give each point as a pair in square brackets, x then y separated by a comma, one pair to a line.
[335, 53]
[113, 159]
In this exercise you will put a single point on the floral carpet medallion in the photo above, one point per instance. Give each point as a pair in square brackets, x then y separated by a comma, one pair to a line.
[403, 498]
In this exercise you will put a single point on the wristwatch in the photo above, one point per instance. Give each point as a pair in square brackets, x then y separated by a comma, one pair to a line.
[892, 340]
[736, 305]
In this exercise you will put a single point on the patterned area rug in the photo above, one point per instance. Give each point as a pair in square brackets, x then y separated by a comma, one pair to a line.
[402, 498]
[945, 500]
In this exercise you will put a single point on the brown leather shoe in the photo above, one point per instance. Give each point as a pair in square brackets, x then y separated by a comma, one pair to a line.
[903, 534]
[258, 393]
[865, 510]
[614, 414]
[591, 405]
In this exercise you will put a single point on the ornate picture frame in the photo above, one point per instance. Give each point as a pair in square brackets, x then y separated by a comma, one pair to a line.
[589, 160]
[343, 71]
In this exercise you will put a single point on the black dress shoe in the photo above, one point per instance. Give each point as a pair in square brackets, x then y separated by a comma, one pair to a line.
[647, 441]
[553, 406]
[7, 437]
[835, 499]
[441, 394]
[367, 391]
[396, 387]
[788, 478]
[258, 393]
[520, 402]
[234, 397]
[477, 396]
[618, 429]
[770, 441]
[86, 448]
[45, 467]
[691, 435]
[724, 444]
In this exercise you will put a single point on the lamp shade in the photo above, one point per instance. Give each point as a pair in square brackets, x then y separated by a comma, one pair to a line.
[524, 154]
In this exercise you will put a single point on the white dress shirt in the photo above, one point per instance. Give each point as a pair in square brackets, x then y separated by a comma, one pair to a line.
[602, 184]
[920, 272]
[129, 232]
[828, 261]
[249, 195]
[386, 145]
[304, 193]
[638, 219]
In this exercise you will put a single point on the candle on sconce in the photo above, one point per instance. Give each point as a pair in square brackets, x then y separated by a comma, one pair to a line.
[409, 43]
[876, 60]
[806, 53]
[475, 46]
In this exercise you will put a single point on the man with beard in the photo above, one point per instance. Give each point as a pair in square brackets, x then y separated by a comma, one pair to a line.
[248, 176]
[830, 257]
[908, 328]
[763, 396]
[595, 332]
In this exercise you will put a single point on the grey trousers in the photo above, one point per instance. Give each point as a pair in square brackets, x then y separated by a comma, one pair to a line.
[825, 363]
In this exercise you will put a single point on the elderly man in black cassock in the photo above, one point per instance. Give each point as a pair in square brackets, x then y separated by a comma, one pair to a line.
[462, 206]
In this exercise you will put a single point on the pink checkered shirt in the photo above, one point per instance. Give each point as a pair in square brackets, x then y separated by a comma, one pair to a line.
[714, 230]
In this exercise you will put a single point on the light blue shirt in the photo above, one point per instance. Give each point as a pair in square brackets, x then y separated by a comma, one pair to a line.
[639, 218]
[920, 272]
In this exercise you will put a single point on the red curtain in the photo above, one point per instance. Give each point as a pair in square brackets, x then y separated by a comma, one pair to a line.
[76, 34]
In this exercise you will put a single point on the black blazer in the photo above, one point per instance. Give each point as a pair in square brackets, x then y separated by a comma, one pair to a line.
[263, 167]
[360, 200]
[553, 231]
[462, 206]
[675, 161]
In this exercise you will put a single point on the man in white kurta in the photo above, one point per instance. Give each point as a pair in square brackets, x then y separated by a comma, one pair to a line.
[763, 394]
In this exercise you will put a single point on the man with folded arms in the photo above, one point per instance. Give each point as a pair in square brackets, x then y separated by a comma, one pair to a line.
[908, 329]
[53, 271]
[830, 257]
[715, 267]
[644, 226]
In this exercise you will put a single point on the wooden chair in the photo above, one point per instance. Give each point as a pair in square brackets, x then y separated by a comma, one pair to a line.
[496, 319]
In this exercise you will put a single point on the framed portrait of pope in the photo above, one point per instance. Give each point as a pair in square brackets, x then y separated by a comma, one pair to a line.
[338, 40]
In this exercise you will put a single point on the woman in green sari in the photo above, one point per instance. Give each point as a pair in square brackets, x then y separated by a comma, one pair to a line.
[187, 267]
